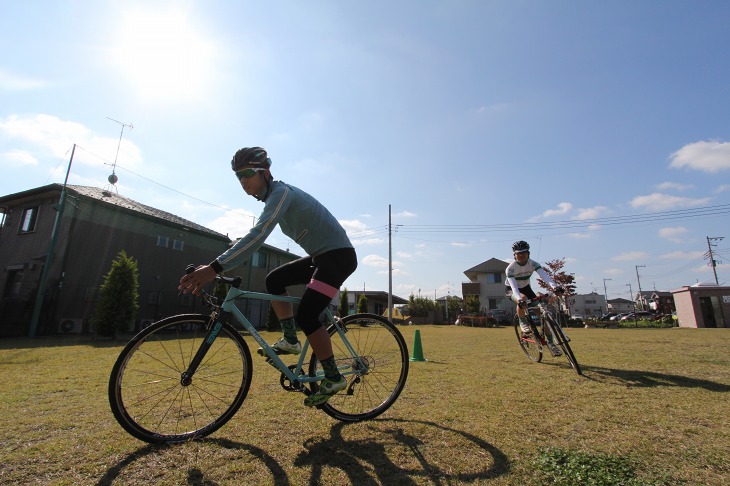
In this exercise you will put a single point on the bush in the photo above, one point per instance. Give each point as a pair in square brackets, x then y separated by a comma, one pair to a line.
[118, 304]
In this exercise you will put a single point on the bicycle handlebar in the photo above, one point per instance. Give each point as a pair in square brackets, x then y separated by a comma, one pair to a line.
[541, 298]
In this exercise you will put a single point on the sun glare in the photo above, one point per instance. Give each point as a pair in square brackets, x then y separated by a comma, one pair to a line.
[162, 55]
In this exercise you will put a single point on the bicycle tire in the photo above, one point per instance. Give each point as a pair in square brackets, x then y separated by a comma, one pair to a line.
[532, 346]
[564, 344]
[381, 346]
[146, 393]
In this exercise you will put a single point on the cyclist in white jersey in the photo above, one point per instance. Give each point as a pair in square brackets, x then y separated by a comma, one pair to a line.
[518, 274]
[331, 260]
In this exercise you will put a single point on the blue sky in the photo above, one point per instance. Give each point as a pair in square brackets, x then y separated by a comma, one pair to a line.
[597, 131]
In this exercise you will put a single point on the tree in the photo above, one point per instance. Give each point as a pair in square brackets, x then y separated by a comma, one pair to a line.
[472, 304]
[454, 307]
[420, 306]
[344, 303]
[554, 268]
[118, 301]
[362, 304]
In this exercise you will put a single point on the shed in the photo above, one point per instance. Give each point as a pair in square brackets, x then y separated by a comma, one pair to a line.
[703, 305]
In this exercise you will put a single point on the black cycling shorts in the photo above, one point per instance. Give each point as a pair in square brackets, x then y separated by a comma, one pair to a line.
[526, 291]
[323, 275]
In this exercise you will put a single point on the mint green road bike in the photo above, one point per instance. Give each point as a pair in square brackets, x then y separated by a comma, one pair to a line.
[184, 377]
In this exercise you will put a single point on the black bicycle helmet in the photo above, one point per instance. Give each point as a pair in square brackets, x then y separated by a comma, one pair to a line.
[519, 246]
[254, 157]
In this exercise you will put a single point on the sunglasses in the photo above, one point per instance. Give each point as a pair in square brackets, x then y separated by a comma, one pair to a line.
[247, 173]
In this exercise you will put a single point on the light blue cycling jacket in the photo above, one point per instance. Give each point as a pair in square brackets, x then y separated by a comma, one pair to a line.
[300, 216]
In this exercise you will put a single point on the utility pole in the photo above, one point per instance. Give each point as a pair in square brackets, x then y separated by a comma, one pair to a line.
[40, 296]
[390, 267]
[641, 296]
[713, 263]
[605, 294]
[633, 304]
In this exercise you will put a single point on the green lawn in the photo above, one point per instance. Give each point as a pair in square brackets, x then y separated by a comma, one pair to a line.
[652, 408]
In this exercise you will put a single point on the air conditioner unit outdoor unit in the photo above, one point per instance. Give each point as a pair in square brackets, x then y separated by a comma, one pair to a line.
[70, 326]
[145, 323]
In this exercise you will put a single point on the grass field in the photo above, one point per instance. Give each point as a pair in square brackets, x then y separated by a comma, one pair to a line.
[652, 408]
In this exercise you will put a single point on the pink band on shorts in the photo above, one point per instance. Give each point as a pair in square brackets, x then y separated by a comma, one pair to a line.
[322, 288]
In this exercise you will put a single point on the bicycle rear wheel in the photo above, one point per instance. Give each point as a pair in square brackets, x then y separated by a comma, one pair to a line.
[531, 346]
[370, 391]
[564, 344]
[148, 396]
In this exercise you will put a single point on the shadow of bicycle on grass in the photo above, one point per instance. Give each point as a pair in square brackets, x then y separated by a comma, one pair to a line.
[396, 451]
[143, 465]
[381, 451]
[644, 379]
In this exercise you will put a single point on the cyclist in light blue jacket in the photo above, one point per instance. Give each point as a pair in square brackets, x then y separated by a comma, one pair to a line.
[331, 260]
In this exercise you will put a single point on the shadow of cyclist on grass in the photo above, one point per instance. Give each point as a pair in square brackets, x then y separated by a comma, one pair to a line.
[424, 451]
[381, 451]
[116, 474]
[638, 378]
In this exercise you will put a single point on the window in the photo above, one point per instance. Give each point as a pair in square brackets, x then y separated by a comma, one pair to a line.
[494, 278]
[12, 284]
[379, 308]
[260, 259]
[28, 219]
[162, 241]
[178, 245]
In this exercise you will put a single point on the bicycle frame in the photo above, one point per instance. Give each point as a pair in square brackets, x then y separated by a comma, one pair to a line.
[295, 376]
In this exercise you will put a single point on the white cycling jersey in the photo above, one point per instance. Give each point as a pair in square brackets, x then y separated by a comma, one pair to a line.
[518, 276]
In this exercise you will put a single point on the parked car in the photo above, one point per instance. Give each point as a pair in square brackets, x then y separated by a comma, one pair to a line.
[638, 315]
[607, 316]
[500, 315]
[618, 317]
[577, 317]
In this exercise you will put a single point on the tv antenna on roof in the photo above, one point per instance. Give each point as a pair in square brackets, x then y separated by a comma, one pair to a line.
[113, 177]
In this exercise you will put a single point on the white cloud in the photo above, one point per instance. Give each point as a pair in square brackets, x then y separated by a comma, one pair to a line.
[19, 157]
[459, 244]
[591, 213]
[664, 202]
[580, 235]
[666, 186]
[722, 188]
[705, 156]
[563, 208]
[235, 223]
[54, 136]
[405, 214]
[375, 261]
[614, 272]
[628, 256]
[352, 225]
[673, 234]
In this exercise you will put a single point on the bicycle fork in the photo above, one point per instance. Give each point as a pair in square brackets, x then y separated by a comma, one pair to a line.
[187, 376]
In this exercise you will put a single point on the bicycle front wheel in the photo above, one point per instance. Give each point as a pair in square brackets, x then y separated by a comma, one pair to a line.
[530, 345]
[564, 344]
[376, 379]
[152, 402]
